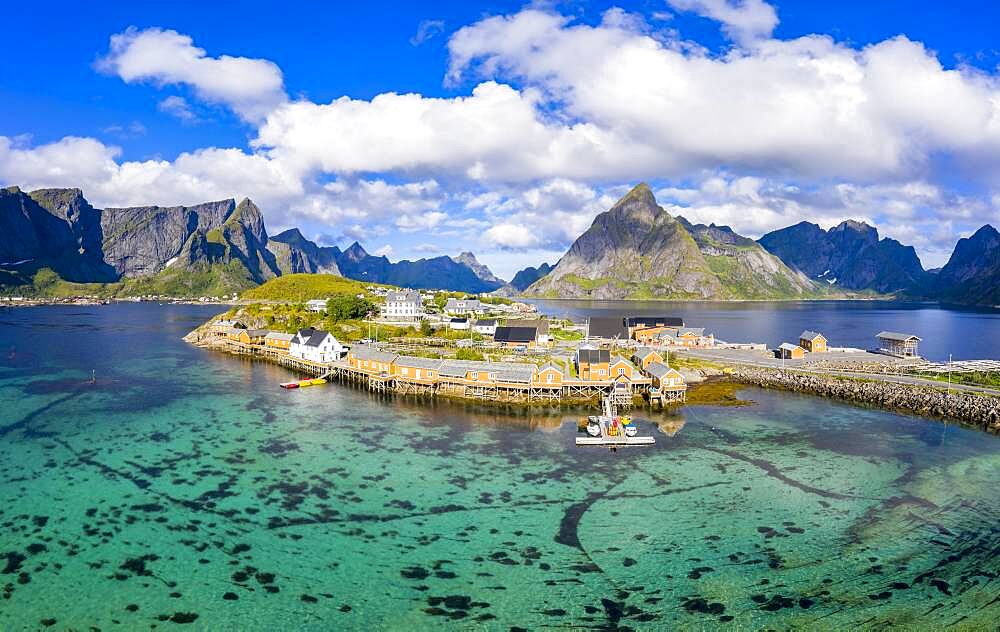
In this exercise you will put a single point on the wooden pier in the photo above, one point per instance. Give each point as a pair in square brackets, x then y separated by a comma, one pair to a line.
[623, 394]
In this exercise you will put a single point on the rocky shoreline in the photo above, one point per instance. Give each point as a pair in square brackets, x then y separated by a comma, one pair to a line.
[981, 411]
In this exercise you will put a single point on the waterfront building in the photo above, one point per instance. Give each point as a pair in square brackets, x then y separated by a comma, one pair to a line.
[644, 356]
[900, 345]
[670, 382]
[315, 345]
[540, 326]
[418, 369]
[403, 306]
[812, 341]
[620, 368]
[515, 336]
[695, 337]
[593, 364]
[456, 306]
[316, 305]
[549, 375]
[370, 359]
[605, 327]
[788, 351]
[487, 327]
[251, 336]
[224, 327]
[278, 340]
[645, 328]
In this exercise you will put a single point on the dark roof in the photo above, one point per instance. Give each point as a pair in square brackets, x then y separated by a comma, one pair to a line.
[594, 356]
[541, 326]
[515, 334]
[895, 335]
[253, 333]
[605, 327]
[654, 321]
[489, 322]
[459, 320]
[317, 338]
[809, 334]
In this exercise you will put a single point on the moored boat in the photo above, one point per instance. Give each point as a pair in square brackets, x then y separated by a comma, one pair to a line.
[289, 385]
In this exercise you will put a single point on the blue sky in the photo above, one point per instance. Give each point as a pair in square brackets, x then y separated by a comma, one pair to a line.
[519, 122]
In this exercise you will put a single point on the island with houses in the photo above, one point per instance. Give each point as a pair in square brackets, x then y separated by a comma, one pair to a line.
[445, 344]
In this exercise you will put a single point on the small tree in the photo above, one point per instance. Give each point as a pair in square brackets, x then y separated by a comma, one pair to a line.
[347, 307]
[425, 328]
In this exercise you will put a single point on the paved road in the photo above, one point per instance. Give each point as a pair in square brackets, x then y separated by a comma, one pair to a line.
[749, 359]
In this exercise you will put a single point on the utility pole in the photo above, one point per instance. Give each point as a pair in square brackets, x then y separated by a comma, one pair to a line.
[949, 375]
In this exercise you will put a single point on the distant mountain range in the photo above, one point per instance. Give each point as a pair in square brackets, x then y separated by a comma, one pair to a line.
[211, 248]
[634, 250]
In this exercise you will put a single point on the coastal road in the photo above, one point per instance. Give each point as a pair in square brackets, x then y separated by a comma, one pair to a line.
[755, 359]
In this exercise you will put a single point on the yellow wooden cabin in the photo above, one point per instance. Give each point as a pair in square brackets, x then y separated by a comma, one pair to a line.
[788, 351]
[548, 375]
[813, 341]
[620, 368]
[644, 356]
[250, 336]
[593, 364]
[278, 340]
[371, 360]
[666, 378]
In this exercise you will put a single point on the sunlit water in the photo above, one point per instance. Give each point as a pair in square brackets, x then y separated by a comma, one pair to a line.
[184, 487]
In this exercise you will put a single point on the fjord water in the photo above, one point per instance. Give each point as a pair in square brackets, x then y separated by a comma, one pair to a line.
[968, 333]
[185, 487]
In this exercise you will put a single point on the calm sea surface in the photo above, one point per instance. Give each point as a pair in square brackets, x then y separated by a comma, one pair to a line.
[185, 486]
[966, 333]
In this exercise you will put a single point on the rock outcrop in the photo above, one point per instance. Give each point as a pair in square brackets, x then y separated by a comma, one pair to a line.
[972, 274]
[969, 407]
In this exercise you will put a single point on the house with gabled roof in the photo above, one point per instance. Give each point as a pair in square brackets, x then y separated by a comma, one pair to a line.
[549, 374]
[812, 341]
[788, 351]
[278, 340]
[593, 364]
[367, 358]
[644, 356]
[315, 345]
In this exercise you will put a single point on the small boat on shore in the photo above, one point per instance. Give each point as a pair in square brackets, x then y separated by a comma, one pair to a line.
[289, 385]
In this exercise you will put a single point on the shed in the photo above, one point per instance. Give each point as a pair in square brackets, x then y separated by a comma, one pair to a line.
[788, 351]
[812, 341]
[898, 344]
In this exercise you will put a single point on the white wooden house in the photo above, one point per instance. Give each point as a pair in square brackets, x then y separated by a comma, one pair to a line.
[316, 345]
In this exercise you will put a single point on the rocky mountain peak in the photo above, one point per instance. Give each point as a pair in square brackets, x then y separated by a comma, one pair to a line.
[355, 252]
[483, 272]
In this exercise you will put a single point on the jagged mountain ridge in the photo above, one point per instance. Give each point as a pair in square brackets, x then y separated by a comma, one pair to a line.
[849, 255]
[638, 250]
[214, 247]
[972, 274]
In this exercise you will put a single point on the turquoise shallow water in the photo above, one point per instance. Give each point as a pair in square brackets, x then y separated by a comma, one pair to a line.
[185, 489]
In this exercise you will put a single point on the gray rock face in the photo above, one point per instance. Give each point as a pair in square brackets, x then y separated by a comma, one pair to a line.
[55, 228]
[484, 273]
[849, 255]
[140, 241]
[972, 274]
[638, 250]
[296, 254]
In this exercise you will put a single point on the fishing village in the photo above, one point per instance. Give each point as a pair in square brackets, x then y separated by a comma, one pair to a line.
[505, 353]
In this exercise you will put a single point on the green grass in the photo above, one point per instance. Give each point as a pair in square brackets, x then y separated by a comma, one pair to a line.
[298, 288]
[990, 379]
[584, 283]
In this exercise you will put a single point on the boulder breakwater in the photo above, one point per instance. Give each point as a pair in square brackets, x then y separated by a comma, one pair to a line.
[968, 407]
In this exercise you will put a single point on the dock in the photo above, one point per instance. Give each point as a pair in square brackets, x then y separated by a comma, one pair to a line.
[619, 440]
